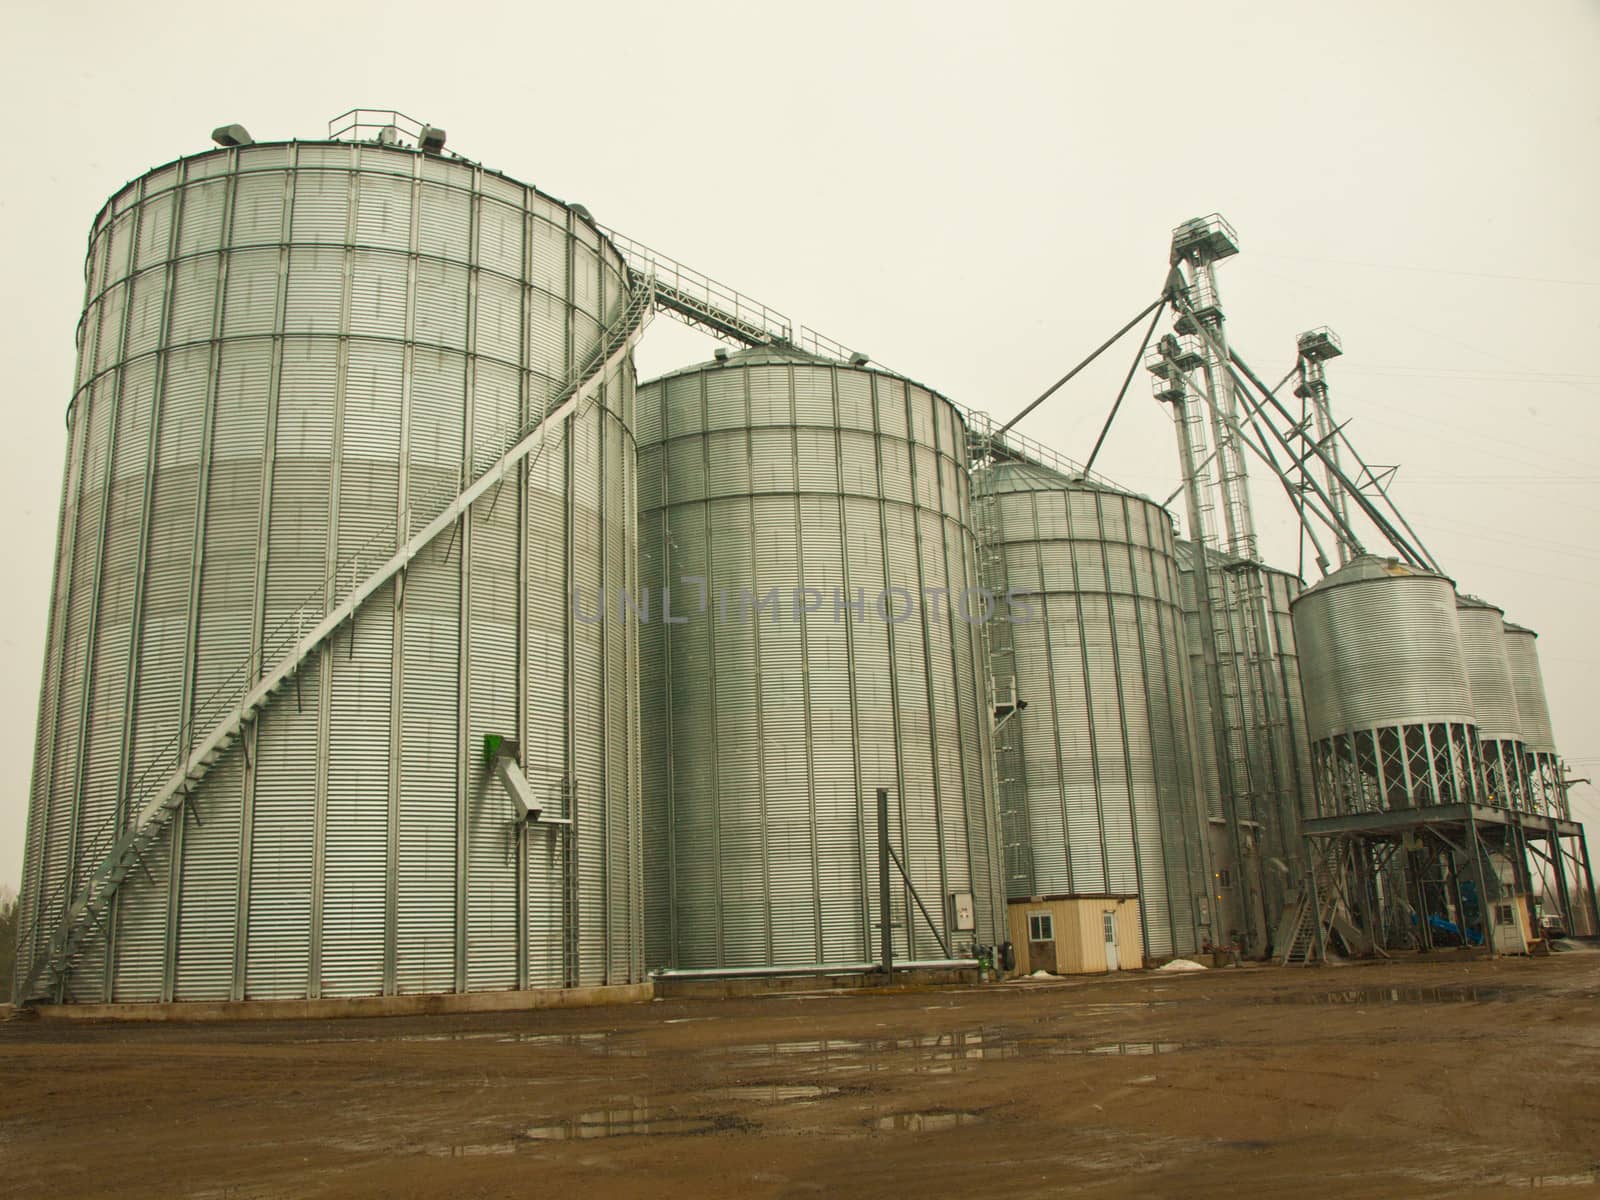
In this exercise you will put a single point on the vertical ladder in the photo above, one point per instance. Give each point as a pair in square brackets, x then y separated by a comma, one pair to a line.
[1000, 653]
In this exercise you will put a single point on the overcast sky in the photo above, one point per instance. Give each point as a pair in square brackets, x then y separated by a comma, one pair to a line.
[975, 195]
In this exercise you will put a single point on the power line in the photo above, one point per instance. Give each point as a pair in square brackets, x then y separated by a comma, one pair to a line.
[1470, 347]
[1519, 538]
[1380, 266]
[1469, 376]
[1465, 437]
[1501, 565]
[1475, 478]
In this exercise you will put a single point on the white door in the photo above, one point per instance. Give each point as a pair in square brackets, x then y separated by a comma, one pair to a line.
[1109, 921]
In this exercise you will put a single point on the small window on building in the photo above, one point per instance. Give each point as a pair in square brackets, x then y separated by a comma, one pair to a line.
[1041, 927]
[1502, 915]
[1224, 879]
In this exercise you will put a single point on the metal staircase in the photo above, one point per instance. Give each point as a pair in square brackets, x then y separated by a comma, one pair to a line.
[1318, 901]
[1301, 949]
[163, 791]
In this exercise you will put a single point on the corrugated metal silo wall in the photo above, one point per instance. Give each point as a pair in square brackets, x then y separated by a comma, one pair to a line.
[1541, 764]
[1388, 699]
[766, 732]
[1233, 679]
[1494, 697]
[1533, 709]
[1106, 796]
[1288, 755]
[1381, 652]
[1199, 684]
[288, 351]
[1494, 701]
[1294, 740]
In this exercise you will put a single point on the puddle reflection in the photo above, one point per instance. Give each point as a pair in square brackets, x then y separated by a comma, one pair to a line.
[1429, 995]
[926, 1122]
[931, 1053]
[773, 1093]
[594, 1043]
[631, 1120]
[1129, 1048]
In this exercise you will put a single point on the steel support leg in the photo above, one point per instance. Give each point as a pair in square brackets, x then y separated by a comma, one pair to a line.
[1474, 847]
[1414, 869]
[1455, 887]
[1558, 855]
[1588, 871]
[1316, 855]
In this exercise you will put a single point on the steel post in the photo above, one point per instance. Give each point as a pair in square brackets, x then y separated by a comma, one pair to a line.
[885, 914]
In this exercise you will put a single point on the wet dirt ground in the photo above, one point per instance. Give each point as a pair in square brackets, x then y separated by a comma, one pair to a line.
[1404, 1079]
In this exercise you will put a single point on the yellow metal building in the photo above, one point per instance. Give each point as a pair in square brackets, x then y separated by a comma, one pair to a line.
[1076, 935]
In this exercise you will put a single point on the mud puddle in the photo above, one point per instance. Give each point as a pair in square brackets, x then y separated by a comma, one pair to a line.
[1126, 1048]
[932, 1053]
[594, 1043]
[1380, 995]
[777, 1093]
[638, 1120]
[925, 1122]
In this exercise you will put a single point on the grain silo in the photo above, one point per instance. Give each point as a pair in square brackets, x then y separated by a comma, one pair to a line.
[1279, 748]
[1199, 684]
[1265, 732]
[297, 364]
[1235, 883]
[1101, 789]
[1545, 781]
[1388, 699]
[1494, 702]
[806, 541]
